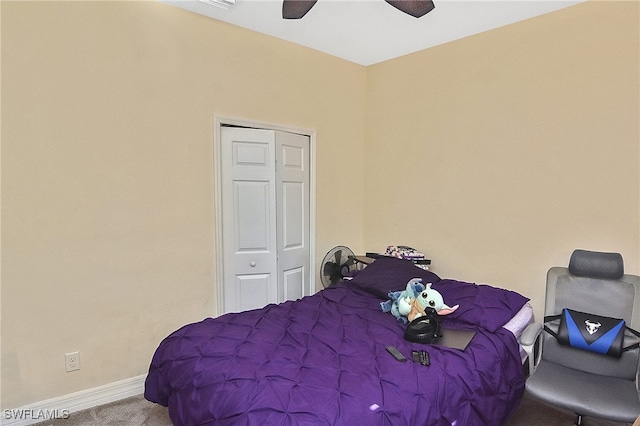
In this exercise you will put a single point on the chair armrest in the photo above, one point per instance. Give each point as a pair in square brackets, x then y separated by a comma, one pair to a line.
[530, 334]
[532, 344]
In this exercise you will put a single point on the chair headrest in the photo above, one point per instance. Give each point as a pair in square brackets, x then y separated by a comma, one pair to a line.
[596, 264]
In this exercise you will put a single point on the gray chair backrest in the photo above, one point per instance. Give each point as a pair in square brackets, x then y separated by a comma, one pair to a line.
[594, 283]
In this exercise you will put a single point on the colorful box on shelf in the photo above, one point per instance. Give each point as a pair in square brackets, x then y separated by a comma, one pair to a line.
[404, 252]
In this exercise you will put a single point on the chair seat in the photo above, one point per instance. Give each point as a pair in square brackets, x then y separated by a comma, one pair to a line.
[585, 394]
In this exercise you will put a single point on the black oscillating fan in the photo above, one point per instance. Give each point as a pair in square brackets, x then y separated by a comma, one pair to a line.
[337, 264]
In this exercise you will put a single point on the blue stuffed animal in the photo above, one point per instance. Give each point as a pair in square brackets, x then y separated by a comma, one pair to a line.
[398, 299]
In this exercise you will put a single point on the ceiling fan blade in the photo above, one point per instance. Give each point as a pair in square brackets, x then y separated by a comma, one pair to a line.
[296, 9]
[416, 8]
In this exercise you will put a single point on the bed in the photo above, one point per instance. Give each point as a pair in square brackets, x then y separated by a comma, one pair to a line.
[321, 360]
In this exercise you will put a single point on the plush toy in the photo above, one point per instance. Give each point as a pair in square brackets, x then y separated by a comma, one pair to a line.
[411, 303]
[414, 288]
[430, 298]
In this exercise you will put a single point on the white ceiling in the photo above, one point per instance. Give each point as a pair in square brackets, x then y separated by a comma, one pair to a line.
[371, 31]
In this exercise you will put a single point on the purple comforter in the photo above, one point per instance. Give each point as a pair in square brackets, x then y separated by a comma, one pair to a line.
[321, 360]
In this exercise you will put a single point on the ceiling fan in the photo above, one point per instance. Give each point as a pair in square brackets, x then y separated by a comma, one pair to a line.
[296, 9]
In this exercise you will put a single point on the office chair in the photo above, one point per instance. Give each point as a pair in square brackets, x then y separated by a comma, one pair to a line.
[585, 382]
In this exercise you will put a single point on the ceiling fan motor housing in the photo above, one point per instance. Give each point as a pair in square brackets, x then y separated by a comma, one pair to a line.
[296, 9]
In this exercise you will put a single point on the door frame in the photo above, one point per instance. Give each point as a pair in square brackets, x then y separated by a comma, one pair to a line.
[218, 122]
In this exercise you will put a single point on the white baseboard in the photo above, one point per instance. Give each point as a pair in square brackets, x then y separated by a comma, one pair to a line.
[73, 402]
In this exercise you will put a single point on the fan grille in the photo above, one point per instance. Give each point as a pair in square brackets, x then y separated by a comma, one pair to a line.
[337, 264]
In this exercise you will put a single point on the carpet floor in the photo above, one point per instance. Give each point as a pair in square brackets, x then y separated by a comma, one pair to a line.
[136, 411]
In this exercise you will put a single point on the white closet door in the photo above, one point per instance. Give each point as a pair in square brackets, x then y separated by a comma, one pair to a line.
[265, 217]
[292, 199]
[249, 218]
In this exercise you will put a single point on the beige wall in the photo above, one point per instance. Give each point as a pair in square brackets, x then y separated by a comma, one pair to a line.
[107, 179]
[497, 155]
[503, 152]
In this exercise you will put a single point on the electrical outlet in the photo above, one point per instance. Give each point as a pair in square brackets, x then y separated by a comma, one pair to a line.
[72, 361]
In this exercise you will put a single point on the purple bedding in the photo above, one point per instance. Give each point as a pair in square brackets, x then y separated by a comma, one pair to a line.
[321, 360]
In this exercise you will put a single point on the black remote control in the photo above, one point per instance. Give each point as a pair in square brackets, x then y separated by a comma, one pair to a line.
[421, 356]
[396, 353]
[424, 358]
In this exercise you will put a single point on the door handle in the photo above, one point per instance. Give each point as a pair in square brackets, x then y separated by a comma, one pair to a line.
[252, 263]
